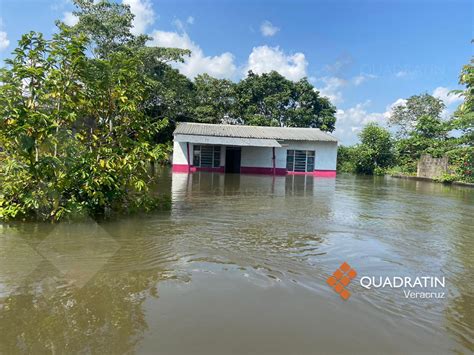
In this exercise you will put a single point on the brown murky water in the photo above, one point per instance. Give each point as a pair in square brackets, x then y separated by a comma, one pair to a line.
[239, 266]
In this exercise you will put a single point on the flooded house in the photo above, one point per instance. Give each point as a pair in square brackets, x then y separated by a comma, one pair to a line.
[253, 150]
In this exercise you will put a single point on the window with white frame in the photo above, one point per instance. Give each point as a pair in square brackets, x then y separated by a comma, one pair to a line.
[300, 160]
[207, 156]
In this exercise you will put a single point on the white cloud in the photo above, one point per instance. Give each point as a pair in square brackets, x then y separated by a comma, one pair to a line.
[343, 64]
[144, 15]
[361, 78]
[401, 74]
[268, 29]
[443, 93]
[352, 120]
[219, 66]
[331, 88]
[179, 25]
[264, 59]
[70, 19]
[4, 41]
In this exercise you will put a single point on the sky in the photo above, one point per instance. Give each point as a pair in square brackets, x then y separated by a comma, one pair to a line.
[364, 55]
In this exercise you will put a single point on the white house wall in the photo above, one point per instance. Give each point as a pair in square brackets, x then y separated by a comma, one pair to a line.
[325, 153]
[258, 157]
[180, 153]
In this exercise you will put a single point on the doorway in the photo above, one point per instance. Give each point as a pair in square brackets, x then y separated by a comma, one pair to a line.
[232, 160]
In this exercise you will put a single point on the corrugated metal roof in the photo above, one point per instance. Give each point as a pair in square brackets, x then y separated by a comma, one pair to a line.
[237, 141]
[259, 132]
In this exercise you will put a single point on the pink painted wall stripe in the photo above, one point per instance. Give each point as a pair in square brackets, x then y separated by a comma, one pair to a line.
[184, 168]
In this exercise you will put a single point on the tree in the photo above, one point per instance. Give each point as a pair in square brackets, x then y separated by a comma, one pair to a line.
[430, 127]
[464, 115]
[462, 158]
[107, 25]
[421, 130]
[75, 138]
[346, 158]
[375, 150]
[171, 99]
[405, 117]
[270, 99]
[214, 99]
[312, 110]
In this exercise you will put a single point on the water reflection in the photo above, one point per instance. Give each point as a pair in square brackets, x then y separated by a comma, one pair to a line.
[459, 313]
[105, 316]
[242, 259]
[86, 290]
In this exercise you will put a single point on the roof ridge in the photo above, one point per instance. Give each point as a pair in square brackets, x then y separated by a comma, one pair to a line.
[247, 131]
[245, 125]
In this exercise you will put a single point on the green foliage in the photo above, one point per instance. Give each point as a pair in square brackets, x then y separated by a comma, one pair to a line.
[74, 136]
[375, 150]
[106, 24]
[464, 116]
[372, 156]
[346, 157]
[461, 162]
[272, 100]
[446, 178]
[421, 131]
[170, 98]
[379, 171]
[214, 100]
[405, 117]
[430, 127]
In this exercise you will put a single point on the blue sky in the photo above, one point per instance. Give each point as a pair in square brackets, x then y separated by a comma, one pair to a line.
[364, 55]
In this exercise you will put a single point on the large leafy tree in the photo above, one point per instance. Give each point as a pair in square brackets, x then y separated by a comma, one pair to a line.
[263, 100]
[170, 99]
[405, 117]
[311, 109]
[270, 99]
[375, 150]
[74, 133]
[107, 25]
[40, 89]
[214, 100]
[420, 129]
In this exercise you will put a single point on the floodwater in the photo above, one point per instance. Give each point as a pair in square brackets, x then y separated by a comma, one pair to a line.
[239, 266]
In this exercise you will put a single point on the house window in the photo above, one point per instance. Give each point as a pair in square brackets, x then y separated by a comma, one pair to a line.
[207, 156]
[300, 160]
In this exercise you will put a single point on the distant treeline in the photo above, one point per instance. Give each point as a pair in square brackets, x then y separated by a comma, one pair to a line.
[418, 128]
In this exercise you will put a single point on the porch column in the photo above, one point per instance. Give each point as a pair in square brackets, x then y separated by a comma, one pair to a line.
[189, 158]
[273, 160]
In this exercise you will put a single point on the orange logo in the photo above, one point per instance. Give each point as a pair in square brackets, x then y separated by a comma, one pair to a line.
[341, 278]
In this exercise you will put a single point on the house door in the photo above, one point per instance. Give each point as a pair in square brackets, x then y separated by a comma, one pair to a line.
[232, 160]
